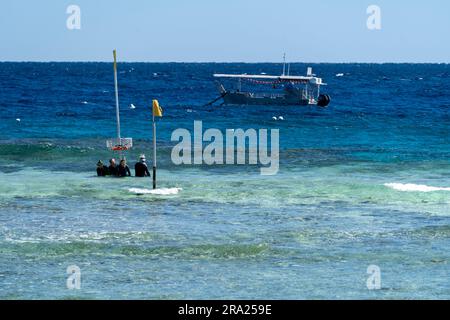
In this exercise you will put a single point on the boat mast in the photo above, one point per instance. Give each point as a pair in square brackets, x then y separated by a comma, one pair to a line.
[284, 64]
[117, 97]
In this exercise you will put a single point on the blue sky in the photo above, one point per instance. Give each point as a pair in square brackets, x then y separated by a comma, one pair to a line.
[226, 31]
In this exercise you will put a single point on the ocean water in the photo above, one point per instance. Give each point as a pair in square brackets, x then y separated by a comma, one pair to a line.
[363, 182]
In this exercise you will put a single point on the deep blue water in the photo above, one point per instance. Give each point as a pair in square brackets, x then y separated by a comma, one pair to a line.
[309, 232]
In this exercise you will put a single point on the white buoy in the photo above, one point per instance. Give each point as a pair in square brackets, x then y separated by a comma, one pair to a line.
[340, 75]
[274, 118]
[18, 120]
[280, 118]
[132, 107]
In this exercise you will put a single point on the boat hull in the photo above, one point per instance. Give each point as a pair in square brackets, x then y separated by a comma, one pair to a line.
[245, 98]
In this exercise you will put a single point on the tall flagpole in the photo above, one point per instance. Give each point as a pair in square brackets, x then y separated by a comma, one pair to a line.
[154, 152]
[156, 112]
[117, 96]
[116, 89]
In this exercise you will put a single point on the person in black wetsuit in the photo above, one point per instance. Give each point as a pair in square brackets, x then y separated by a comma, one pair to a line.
[102, 170]
[123, 170]
[140, 168]
[113, 168]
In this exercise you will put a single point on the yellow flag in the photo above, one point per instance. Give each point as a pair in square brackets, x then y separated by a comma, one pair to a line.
[157, 111]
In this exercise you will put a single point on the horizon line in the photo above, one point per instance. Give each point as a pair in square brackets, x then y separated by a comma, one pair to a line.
[215, 62]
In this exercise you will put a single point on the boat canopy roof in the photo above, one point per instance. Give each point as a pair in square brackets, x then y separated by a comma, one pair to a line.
[269, 77]
[261, 76]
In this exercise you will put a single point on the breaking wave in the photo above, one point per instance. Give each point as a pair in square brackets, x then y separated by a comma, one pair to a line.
[160, 192]
[410, 187]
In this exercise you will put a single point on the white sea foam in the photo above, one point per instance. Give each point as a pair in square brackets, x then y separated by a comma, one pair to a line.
[161, 192]
[410, 187]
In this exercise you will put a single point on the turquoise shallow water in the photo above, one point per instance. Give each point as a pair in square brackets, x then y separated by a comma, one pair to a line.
[310, 232]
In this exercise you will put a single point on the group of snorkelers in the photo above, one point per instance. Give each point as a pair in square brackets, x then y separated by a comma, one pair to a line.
[122, 170]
